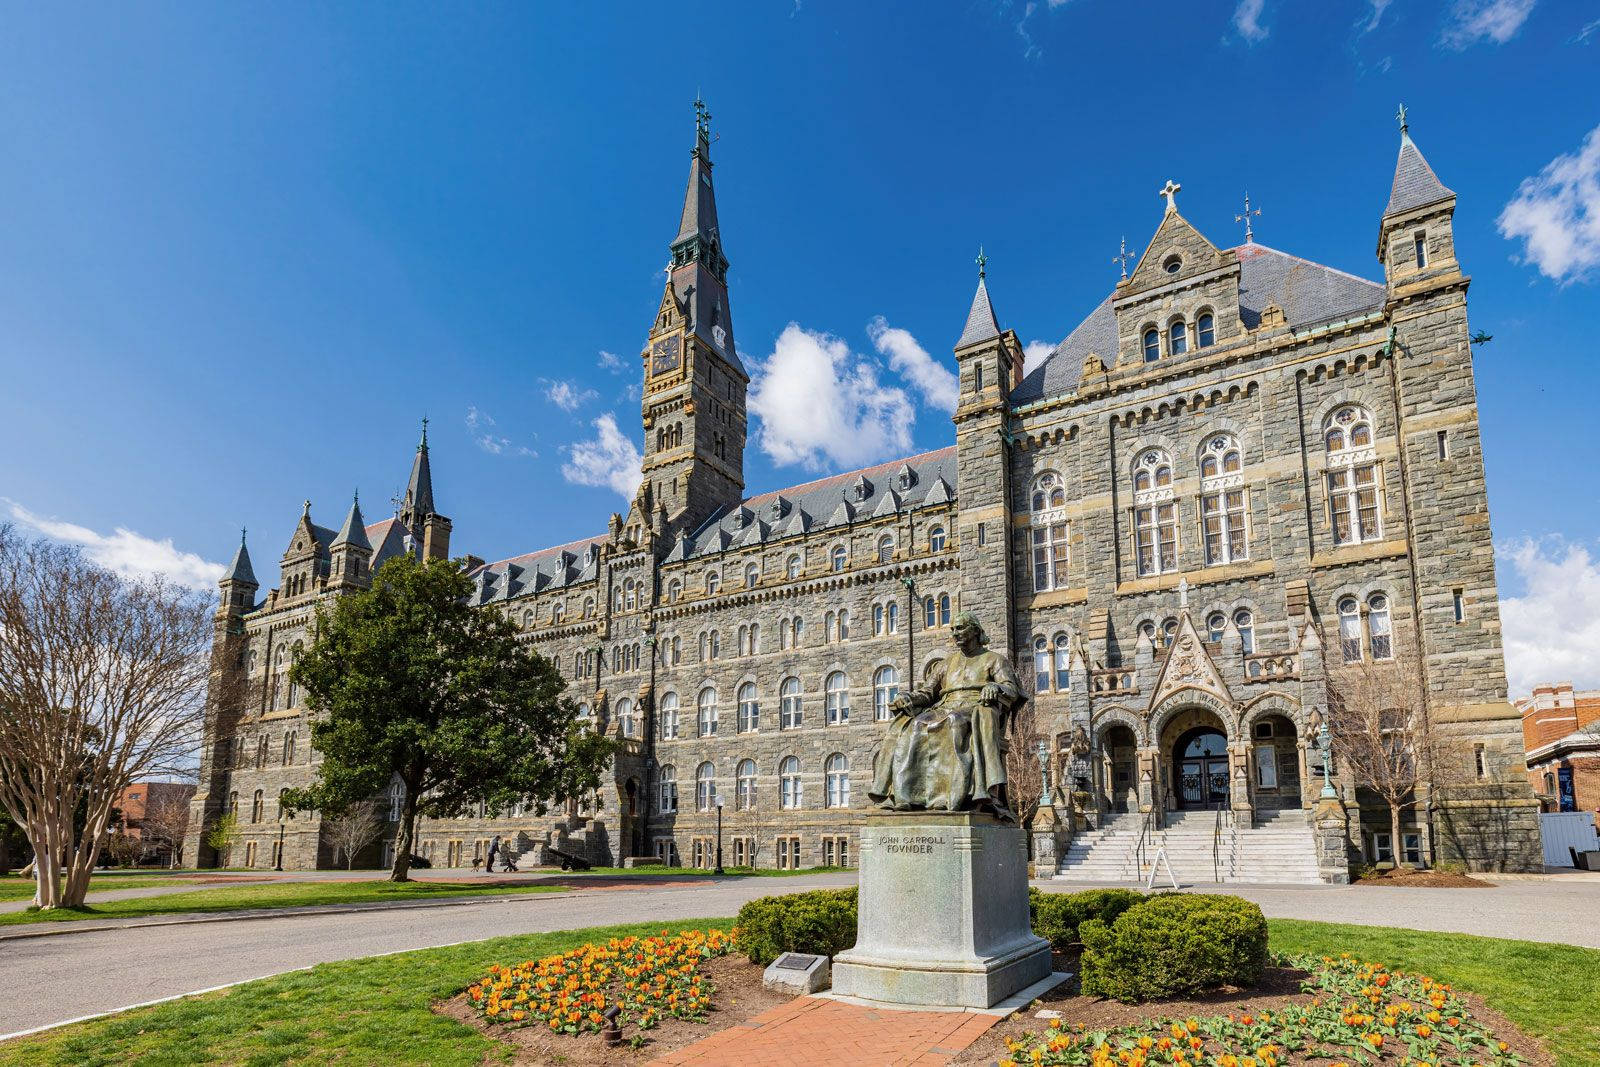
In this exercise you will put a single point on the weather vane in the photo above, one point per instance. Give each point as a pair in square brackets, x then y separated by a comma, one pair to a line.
[1249, 234]
[1122, 258]
[1401, 116]
[982, 261]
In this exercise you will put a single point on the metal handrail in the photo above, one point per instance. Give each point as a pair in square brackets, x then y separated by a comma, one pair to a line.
[1138, 848]
[1216, 845]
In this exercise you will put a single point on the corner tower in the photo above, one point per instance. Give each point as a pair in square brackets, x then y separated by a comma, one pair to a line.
[428, 528]
[694, 382]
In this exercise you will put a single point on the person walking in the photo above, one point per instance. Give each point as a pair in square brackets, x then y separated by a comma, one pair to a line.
[494, 850]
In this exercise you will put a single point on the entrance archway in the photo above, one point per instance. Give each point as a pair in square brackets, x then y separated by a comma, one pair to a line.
[1200, 769]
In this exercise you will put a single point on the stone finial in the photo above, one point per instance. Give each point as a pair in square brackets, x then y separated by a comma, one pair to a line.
[1170, 191]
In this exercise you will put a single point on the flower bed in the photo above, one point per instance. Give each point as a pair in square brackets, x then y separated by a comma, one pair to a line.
[1359, 1013]
[649, 979]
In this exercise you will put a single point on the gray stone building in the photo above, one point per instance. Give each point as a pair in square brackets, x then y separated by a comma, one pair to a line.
[1242, 477]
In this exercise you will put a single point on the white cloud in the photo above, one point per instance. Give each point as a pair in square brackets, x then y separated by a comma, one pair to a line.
[565, 395]
[125, 552]
[1587, 32]
[1247, 20]
[1485, 20]
[819, 404]
[1376, 15]
[1030, 50]
[1034, 353]
[481, 425]
[608, 459]
[936, 382]
[1556, 214]
[1552, 631]
[611, 362]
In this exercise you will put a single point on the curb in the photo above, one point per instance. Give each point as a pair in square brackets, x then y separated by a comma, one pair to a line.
[83, 926]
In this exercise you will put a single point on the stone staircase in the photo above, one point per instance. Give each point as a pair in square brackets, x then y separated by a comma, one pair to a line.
[573, 836]
[1278, 849]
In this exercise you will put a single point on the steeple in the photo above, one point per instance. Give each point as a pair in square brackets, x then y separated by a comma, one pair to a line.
[240, 570]
[699, 239]
[981, 324]
[353, 534]
[1417, 234]
[418, 503]
[1415, 185]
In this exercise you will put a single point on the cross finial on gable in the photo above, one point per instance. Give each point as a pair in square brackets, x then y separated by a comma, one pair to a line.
[1170, 191]
[1122, 257]
[307, 506]
[1249, 233]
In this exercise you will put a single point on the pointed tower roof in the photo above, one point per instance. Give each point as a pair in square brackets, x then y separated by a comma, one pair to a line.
[240, 570]
[699, 200]
[354, 531]
[418, 501]
[981, 324]
[1415, 183]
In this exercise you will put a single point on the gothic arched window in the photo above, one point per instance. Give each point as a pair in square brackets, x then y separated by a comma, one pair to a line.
[1063, 658]
[1222, 500]
[1353, 483]
[1155, 517]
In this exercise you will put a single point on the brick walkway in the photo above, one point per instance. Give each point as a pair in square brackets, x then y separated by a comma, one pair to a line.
[810, 1030]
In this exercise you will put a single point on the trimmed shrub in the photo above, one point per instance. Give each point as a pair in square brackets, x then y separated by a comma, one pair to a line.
[822, 921]
[1056, 916]
[1174, 944]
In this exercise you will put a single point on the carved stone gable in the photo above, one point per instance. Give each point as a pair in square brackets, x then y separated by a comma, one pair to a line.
[1189, 666]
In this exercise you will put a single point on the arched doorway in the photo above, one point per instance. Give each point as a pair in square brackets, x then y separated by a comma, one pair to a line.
[1119, 767]
[1200, 769]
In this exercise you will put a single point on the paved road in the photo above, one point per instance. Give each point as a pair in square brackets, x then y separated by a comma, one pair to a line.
[68, 976]
[72, 975]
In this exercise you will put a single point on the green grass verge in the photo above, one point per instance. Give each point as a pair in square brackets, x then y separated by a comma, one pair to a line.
[376, 1010]
[1550, 991]
[270, 895]
[370, 1011]
[14, 888]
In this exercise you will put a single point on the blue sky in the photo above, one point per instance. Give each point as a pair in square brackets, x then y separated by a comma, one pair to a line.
[243, 251]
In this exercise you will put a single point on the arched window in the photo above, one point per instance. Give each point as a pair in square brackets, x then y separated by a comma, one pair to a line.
[294, 686]
[877, 620]
[1049, 491]
[836, 558]
[713, 583]
[1353, 483]
[669, 788]
[674, 590]
[799, 630]
[1380, 628]
[829, 629]
[1222, 500]
[255, 807]
[705, 787]
[1155, 519]
[791, 567]
[944, 609]
[707, 711]
[837, 769]
[716, 644]
[1041, 664]
[1350, 629]
[891, 617]
[1206, 328]
[844, 625]
[1169, 630]
[838, 699]
[289, 740]
[527, 619]
[752, 575]
[1245, 623]
[1049, 532]
[629, 595]
[930, 613]
[1178, 337]
[885, 689]
[584, 712]
[625, 717]
[755, 638]
[669, 716]
[588, 606]
[261, 752]
[789, 704]
[1063, 655]
[558, 614]
[1216, 623]
[233, 803]
[749, 709]
[1152, 345]
[789, 783]
[936, 539]
[397, 801]
[885, 549]
[744, 785]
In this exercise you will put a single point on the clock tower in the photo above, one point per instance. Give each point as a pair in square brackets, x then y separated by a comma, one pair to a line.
[694, 383]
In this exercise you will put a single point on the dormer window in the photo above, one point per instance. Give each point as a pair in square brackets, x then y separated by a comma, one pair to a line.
[1172, 264]
[1152, 345]
[1206, 329]
[1178, 337]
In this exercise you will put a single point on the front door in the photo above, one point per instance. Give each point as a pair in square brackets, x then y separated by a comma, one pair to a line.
[1201, 769]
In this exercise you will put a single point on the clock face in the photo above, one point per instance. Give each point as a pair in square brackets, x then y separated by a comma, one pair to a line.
[664, 354]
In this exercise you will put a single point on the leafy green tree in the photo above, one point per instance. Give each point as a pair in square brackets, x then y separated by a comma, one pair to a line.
[223, 834]
[411, 684]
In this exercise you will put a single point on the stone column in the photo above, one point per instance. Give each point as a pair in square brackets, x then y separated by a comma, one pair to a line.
[1328, 822]
[1149, 787]
[1306, 792]
[1239, 787]
[1048, 843]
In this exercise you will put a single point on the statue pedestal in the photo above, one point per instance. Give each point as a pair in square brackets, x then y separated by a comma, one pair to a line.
[943, 915]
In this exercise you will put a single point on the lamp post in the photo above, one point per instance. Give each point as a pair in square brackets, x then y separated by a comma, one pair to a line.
[278, 866]
[718, 803]
[1044, 773]
[1325, 748]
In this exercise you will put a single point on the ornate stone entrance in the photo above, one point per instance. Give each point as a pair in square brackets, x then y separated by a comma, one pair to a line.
[1200, 771]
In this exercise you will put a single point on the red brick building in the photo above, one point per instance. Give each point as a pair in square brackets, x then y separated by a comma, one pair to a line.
[162, 809]
[1561, 728]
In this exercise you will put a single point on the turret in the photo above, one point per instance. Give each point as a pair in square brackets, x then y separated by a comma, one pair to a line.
[351, 549]
[1417, 237]
[238, 585]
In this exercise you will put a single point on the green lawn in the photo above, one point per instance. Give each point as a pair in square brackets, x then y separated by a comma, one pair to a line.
[375, 1011]
[270, 895]
[14, 888]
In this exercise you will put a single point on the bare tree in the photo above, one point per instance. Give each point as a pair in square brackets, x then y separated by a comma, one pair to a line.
[1024, 776]
[125, 848]
[102, 682]
[1379, 733]
[166, 820]
[354, 829]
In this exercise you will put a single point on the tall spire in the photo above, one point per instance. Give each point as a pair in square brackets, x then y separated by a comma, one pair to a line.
[1415, 185]
[699, 239]
[354, 531]
[418, 502]
[240, 570]
[981, 324]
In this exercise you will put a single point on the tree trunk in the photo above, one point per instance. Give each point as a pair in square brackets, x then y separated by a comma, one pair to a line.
[1394, 834]
[401, 871]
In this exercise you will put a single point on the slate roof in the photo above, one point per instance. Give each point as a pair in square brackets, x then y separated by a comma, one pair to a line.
[836, 501]
[1415, 184]
[353, 532]
[576, 561]
[240, 570]
[1307, 292]
[981, 324]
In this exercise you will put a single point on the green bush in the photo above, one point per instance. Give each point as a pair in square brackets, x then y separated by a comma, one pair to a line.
[1174, 944]
[822, 921]
[1056, 916]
